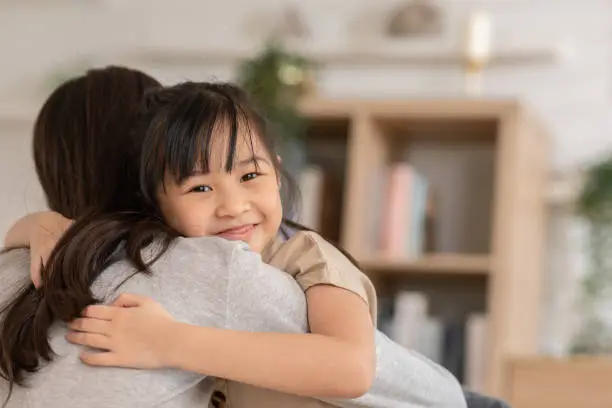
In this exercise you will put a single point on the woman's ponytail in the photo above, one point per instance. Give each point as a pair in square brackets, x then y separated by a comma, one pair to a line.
[85, 250]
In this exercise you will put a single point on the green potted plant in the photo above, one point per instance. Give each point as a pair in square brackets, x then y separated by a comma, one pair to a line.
[595, 206]
[276, 79]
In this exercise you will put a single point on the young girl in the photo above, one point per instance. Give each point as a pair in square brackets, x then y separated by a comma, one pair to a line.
[208, 167]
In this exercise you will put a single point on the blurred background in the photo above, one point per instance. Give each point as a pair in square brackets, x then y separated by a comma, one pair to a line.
[458, 148]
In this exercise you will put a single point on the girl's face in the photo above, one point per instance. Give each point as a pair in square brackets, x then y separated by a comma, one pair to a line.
[242, 204]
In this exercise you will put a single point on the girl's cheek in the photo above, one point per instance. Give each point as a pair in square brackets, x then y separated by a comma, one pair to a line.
[200, 225]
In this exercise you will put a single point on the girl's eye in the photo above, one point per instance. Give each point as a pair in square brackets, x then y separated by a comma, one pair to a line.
[250, 176]
[201, 189]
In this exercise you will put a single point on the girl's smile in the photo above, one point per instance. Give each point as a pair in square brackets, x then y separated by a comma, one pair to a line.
[239, 233]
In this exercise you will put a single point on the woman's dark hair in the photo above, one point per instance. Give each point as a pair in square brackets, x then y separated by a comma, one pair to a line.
[83, 151]
[80, 137]
[173, 137]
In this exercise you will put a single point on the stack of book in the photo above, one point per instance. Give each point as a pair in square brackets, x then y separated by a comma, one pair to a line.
[458, 344]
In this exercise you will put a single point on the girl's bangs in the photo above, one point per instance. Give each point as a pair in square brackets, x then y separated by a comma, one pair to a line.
[196, 125]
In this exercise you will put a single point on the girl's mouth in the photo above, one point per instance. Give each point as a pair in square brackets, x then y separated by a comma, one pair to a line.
[241, 233]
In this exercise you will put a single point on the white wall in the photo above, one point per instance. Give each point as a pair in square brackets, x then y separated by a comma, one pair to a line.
[572, 97]
[20, 191]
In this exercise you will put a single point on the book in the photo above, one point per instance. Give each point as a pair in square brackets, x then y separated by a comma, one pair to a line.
[458, 343]
[405, 213]
[475, 351]
[310, 182]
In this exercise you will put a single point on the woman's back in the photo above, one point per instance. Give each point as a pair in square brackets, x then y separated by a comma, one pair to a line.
[191, 292]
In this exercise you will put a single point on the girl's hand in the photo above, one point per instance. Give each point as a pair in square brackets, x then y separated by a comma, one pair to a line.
[131, 333]
[40, 232]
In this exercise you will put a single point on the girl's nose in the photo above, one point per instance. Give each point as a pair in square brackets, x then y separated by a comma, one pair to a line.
[233, 203]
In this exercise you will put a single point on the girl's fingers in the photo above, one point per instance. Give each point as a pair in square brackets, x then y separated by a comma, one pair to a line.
[100, 312]
[90, 340]
[89, 325]
[101, 359]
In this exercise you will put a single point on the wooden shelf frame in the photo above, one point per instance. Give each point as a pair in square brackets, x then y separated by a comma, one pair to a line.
[434, 264]
[514, 267]
[374, 55]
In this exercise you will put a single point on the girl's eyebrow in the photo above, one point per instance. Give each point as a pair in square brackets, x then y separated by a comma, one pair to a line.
[253, 159]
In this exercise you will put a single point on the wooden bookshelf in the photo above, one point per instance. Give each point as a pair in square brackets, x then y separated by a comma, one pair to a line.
[501, 255]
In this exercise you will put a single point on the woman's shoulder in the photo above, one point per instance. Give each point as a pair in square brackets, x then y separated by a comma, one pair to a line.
[15, 256]
[190, 279]
[17, 259]
[191, 258]
[211, 248]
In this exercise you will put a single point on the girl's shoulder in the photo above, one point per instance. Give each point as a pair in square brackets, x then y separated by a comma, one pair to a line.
[295, 245]
[313, 260]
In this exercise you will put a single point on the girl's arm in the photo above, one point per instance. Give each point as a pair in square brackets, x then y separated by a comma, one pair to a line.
[338, 362]
[40, 232]
[335, 361]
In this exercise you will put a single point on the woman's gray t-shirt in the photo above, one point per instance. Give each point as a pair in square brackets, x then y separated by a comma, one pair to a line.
[195, 281]
[206, 282]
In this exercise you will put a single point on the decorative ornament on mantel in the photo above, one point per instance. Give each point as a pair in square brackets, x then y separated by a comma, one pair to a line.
[416, 18]
[291, 24]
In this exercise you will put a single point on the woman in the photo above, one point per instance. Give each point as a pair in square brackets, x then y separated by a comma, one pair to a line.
[196, 297]
[83, 123]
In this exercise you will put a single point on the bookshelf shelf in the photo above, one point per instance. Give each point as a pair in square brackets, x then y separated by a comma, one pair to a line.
[442, 264]
[468, 247]
[402, 109]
